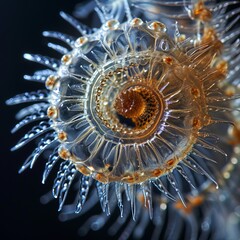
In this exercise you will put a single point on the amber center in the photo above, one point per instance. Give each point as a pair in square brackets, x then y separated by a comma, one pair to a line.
[130, 103]
[138, 104]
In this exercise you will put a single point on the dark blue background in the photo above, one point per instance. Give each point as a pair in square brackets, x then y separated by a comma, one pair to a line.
[22, 215]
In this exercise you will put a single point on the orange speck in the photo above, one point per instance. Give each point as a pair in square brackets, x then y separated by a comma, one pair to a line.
[62, 136]
[170, 163]
[210, 36]
[222, 66]
[230, 91]
[201, 12]
[82, 40]
[50, 82]
[195, 92]
[207, 120]
[52, 112]
[101, 178]
[64, 153]
[129, 179]
[157, 26]
[196, 123]
[168, 60]
[157, 172]
[83, 170]
[134, 178]
[136, 22]
[66, 59]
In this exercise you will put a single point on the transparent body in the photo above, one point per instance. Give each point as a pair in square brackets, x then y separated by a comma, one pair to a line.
[142, 108]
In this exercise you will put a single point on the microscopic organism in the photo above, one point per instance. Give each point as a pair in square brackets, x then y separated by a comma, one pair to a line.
[143, 113]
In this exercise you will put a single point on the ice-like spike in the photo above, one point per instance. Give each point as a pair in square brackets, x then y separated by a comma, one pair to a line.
[230, 25]
[119, 197]
[65, 185]
[235, 60]
[40, 95]
[127, 191]
[202, 155]
[36, 131]
[132, 193]
[223, 98]
[103, 196]
[192, 164]
[35, 78]
[229, 15]
[53, 158]
[84, 187]
[181, 170]
[47, 141]
[210, 146]
[40, 76]
[223, 5]
[222, 109]
[83, 29]
[160, 186]
[101, 11]
[147, 193]
[233, 74]
[100, 194]
[45, 72]
[60, 49]
[43, 60]
[31, 110]
[69, 40]
[174, 184]
[29, 119]
[231, 36]
[127, 10]
[63, 169]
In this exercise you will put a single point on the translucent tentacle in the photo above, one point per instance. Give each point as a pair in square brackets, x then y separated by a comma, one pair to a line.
[43, 60]
[41, 115]
[60, 49]
[32, 109]
[40, 95]
[53, 158]
[69, 40]
[83, 29]
[46, 142]
[35, 132]
[85, 184]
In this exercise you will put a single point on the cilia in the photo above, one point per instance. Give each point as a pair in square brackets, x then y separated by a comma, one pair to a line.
[142, 114]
